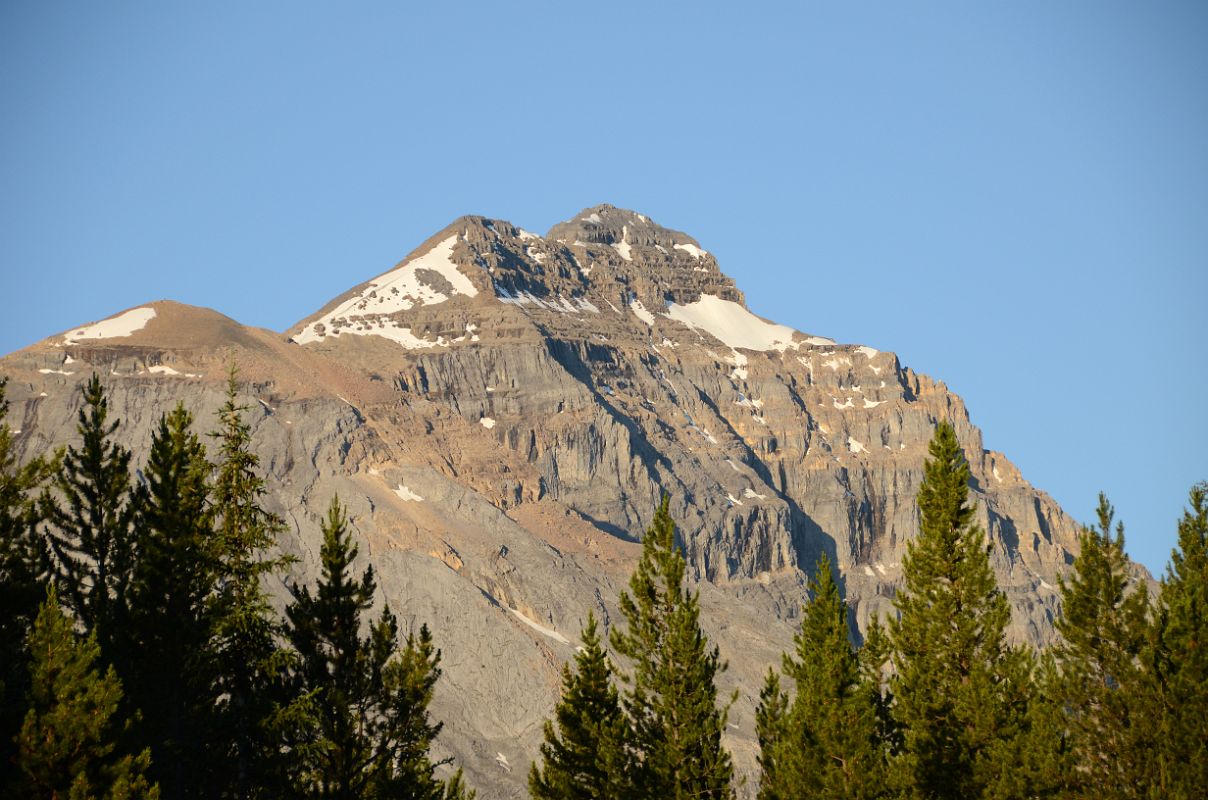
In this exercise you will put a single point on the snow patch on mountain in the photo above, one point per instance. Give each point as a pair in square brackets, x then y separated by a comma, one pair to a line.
[641, 313]
[398, 290]
[123, 324]
[544, 631]
[625, 250]
[407, 495]
[732, 324]
[691, 250]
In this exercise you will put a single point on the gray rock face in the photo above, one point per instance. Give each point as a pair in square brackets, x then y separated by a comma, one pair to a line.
[501, 412]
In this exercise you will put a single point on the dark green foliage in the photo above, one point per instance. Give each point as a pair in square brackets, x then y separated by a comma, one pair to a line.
[69, 742]
[672, 697]
[959, 692]
[826, 742]
[24, 572]
[583, 756]
[171, 678]
[1104, 630]
[1180, 659]
[90, 520]
[364, 730]
[249, 666]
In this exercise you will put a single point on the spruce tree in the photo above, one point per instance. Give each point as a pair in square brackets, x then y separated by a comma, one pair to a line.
[1180, 659]
[248, 664]
[671, 701]
[770, 722]
[959, 691]
[367, 732]
[90, 529]
[171, 679]
[1104, 630]
[583, 757]
[70, 741]
[24, 574]
[826, 742]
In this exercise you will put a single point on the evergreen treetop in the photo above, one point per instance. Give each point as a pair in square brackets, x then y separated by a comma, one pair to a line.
[24, 573]
[171, 678]
[827, 741]
[91, 518]
[583, 756]
[250, 667]
[363, 729]
[1179, 659]
[69, 745]
[672, 697]
[957, 688]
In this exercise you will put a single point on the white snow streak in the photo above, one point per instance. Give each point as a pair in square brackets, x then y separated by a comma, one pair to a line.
[624, 248]
[732, 324]
[641, 313]
[550, 632]
[692, 250]
[115, 327]
[407, 495]
[398, 290]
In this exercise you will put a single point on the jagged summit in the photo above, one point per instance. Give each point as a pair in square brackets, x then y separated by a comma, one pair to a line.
[604, 260]
[622, 228]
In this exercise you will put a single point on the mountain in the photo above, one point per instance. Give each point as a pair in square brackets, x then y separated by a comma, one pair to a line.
[501, 412]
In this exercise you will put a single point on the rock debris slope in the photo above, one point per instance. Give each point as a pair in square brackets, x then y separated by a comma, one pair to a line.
[501, 412]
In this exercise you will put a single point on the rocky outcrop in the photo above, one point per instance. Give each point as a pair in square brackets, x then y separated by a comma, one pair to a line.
[502, 411]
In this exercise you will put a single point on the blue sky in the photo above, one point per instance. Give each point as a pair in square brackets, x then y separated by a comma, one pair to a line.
[1011, 196]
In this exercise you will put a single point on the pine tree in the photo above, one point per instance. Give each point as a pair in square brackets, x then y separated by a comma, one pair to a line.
[90, 528]
[1179, 660]
[959, 691]
[367, 732]
[583, 754]
[248, 664]
[827, 742]
[171, 679]
[771, 718]
[1104, 630]
[24, 574]
[672, 697]
[69, 743]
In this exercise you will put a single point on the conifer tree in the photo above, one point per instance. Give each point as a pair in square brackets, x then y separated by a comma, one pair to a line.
[1104, 630]
[367, 732]
[69, 745]
[671, 701]
[959, 691]
[24, 574]
[583, 755]
[770, 723]
[171, 679]
[1180, 659]
[826, 742]
[90, 529]
[248, 664]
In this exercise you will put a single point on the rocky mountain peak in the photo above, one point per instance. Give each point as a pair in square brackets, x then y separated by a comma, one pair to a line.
[659, 265]
[609, 225]
[502, 412]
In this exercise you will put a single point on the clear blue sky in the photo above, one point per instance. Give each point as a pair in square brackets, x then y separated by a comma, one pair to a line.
[1011, 196]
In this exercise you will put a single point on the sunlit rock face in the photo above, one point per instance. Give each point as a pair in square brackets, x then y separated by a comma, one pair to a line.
[501, 413]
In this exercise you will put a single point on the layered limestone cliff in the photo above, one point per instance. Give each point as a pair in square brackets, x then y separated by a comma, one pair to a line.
[501, 413]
